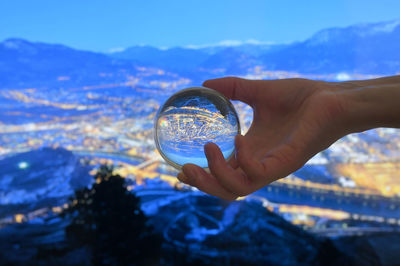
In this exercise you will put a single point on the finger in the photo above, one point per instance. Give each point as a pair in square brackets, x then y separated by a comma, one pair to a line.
[233, 162]
[235, 88]
[231, 179]
[198, 177]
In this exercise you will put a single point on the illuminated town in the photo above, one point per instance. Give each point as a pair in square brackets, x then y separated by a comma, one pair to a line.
[357, 179]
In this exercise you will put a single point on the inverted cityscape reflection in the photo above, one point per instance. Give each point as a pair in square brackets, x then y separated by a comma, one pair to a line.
[191, 118]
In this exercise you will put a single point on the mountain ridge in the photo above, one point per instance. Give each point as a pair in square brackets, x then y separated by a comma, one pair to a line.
[26, 64]
[369, 48]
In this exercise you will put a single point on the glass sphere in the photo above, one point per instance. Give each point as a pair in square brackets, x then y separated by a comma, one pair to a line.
[189, 119]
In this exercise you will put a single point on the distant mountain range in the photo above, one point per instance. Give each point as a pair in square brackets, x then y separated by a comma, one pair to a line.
[27, 64]
[364, 49]
[189, 59]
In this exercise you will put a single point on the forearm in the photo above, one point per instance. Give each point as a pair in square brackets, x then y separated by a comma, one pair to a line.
[372, 103]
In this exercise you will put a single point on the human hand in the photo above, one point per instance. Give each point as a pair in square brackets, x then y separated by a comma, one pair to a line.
[293, 120]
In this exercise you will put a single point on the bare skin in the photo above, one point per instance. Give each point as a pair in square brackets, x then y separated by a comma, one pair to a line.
[294, 119]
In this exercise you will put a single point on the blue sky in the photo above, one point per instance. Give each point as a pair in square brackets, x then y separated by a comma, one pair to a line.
[103, 25]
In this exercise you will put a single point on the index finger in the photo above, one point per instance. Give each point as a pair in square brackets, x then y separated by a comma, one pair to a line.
[235, 88]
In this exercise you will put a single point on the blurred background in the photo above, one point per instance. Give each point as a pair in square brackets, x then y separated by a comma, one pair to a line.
[81, 181]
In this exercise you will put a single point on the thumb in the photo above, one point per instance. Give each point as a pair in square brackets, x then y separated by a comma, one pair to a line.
[235, 88]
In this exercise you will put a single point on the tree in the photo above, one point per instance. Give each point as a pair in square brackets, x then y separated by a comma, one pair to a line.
[108, 219]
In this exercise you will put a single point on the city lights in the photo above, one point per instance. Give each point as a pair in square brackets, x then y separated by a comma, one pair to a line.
[23, 165]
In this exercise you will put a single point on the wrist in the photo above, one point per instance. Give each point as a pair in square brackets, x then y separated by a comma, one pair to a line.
[371, 103]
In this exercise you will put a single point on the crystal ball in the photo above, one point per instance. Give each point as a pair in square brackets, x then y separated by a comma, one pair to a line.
[189, 119]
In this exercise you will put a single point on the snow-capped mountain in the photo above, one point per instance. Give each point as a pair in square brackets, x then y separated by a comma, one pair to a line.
[27, 64]
[364, 48]
[370, 48]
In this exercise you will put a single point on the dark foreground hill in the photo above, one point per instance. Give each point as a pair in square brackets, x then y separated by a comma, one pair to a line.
[251, 235]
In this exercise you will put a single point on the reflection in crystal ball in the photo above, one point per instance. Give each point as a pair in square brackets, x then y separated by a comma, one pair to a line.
[191, 118]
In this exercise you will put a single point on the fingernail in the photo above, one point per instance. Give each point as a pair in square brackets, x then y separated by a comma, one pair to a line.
[205, 83]
[189, 172]
[182, 177]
